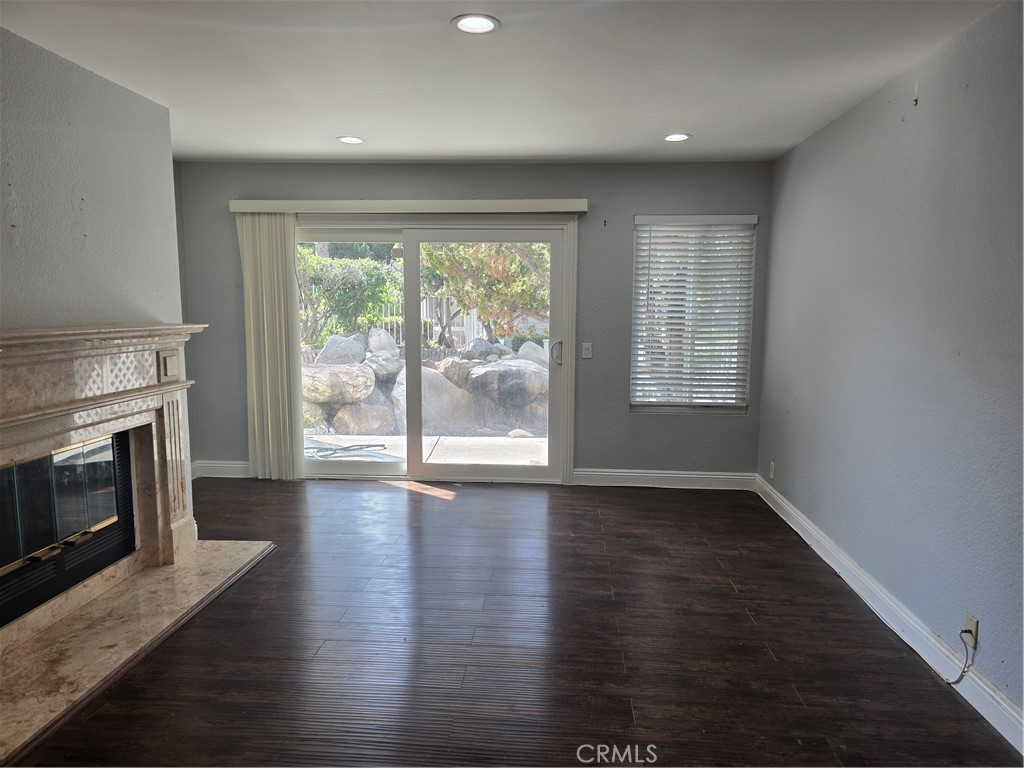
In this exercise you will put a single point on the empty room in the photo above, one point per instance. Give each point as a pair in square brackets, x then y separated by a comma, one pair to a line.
[514, 382]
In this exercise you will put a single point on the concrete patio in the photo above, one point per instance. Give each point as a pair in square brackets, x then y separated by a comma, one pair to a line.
[437, 449]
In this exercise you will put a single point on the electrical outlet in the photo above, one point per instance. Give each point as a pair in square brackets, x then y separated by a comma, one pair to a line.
[971, 624]
[588, 350]
[771, 470]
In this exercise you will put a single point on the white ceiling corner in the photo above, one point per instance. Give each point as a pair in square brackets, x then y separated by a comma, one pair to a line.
[562, 80]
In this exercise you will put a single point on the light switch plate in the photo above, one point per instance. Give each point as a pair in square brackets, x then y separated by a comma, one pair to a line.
[588, 350]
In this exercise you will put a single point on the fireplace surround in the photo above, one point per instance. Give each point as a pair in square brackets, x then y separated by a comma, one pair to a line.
[65, 386]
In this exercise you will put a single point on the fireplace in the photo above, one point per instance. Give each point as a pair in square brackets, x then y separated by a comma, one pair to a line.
[63, 518]
[84, 411]
[74, 402]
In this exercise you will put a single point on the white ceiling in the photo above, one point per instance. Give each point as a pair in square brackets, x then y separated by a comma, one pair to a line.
[574, 80]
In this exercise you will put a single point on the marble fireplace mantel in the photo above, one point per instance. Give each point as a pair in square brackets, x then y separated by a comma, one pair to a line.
[63, 386]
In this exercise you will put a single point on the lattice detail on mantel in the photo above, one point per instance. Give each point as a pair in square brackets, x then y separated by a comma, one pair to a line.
[114, 373]
[129, 371]
[89, 376]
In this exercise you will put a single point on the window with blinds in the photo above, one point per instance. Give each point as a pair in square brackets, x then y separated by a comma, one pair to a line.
[693, 296]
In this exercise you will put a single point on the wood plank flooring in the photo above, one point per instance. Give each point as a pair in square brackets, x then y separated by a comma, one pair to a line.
[447, 624]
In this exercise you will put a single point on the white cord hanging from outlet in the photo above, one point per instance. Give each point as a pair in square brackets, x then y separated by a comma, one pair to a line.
[969, 637]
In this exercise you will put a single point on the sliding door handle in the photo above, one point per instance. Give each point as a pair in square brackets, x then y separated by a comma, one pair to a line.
[556, 357]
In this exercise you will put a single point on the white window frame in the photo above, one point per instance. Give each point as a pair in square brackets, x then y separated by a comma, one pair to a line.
[682, 392]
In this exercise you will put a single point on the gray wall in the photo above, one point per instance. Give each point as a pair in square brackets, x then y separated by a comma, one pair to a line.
[892, 380]
[87, 210]
[607, 435]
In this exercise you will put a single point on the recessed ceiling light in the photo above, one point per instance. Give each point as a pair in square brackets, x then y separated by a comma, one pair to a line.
[476, 23]
[677, 137]
[350, 140]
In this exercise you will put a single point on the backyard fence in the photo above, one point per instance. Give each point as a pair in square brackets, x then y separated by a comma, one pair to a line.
[463, 328]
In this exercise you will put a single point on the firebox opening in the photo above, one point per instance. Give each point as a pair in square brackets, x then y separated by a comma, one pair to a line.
[63, 517]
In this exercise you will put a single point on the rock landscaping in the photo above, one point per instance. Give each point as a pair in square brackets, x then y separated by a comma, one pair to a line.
[355, 385]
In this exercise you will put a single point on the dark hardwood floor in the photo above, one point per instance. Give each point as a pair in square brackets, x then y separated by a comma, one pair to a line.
[450, 624]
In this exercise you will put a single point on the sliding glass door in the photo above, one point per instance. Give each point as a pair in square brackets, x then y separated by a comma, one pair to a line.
[489, 378]
[352, 337]
[435, 353]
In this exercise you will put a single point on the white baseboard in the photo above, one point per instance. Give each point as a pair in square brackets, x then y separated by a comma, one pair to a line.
[981, 693]
[220, 469]
[728, 481]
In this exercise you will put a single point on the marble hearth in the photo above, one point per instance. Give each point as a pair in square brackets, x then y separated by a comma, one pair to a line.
[60, 387]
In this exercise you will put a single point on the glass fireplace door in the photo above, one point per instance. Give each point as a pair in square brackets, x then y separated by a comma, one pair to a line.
[63, 517]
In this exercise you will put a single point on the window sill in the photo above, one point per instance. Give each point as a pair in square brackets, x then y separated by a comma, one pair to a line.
[707, 410]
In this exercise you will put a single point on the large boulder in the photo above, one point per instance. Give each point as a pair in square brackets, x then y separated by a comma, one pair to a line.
[386, 367]
[447, 410]
[337, 384]
[379, 340]
[495, 420]
[481, 349]
[343, 350]
[456, 370]
[314, 417]
[534, 417]
[375, 415]
[510, 384]
[534, 353]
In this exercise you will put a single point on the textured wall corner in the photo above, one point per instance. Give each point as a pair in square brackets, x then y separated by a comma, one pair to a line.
[87, 204]
[892, 379]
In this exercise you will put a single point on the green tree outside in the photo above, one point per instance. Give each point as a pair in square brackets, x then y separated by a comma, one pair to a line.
[345, 287]
[503, 282]
[340, 295]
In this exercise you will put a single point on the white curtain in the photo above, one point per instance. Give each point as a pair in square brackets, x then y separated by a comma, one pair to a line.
[267, 245]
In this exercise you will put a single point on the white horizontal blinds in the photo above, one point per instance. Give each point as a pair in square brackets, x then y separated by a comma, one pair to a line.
[693, 291]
